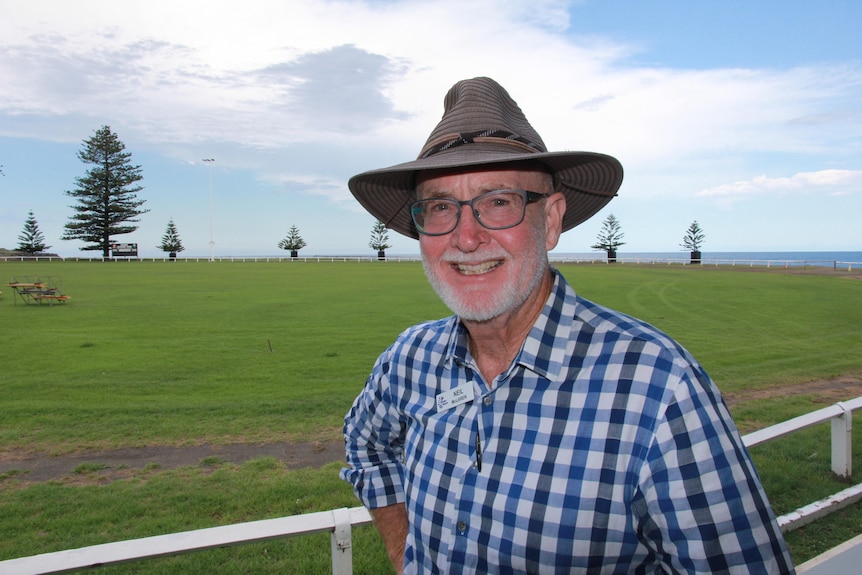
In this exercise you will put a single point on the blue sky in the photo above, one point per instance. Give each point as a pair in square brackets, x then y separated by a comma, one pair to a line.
[744, 116]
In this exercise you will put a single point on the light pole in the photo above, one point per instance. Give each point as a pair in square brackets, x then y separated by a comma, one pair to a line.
[209, 162]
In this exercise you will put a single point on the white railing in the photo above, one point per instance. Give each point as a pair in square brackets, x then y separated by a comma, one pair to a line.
[205, 259]
[742, 262]
[841, 416]
[339, 522]
[561, 258]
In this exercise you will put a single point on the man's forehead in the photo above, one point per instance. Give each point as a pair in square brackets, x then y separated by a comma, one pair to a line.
[486, 177]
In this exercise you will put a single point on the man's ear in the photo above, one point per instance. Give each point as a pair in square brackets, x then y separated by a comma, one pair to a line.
[555, 209]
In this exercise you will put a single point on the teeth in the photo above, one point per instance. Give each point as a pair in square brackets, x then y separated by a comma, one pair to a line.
[476, 269]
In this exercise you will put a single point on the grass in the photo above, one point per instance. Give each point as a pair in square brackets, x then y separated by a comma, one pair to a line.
[171, 354]
[50, 515]
[749, 329]
[163, 353]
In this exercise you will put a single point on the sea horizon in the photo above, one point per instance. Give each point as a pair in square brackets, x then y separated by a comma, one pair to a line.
[790, 258]
[753, 258]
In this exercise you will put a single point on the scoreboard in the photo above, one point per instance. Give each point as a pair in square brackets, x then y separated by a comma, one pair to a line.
[124, 250]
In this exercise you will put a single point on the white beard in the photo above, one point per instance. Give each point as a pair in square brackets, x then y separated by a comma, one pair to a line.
[466, 304]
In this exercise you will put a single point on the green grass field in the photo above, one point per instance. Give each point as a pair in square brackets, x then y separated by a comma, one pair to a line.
[173, 353]
[177, 353]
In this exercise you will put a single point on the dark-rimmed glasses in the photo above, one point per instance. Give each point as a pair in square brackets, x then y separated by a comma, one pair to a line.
[494, 210]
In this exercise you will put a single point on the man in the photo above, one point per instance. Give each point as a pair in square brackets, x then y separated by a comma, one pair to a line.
[535, 431]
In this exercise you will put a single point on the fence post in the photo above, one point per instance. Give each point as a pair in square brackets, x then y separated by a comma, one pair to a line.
[842, 454]
[342, 552]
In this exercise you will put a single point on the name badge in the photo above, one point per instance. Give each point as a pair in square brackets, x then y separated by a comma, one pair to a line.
[455, 397]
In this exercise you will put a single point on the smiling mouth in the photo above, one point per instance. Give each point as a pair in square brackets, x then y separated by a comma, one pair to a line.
[477, 269]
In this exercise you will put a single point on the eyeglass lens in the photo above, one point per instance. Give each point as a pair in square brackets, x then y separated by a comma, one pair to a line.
[494, 210]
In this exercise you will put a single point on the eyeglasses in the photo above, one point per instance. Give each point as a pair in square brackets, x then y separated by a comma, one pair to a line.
[495, 210]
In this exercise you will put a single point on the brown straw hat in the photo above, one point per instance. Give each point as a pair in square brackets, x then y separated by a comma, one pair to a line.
[481, 125]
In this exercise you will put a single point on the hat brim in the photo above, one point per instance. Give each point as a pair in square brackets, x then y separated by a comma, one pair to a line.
[588, 180]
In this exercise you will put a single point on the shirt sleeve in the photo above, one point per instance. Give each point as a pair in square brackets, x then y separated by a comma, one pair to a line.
[701, 506]
[374, 439]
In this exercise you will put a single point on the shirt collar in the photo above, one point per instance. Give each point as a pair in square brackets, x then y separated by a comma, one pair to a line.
[545, 347]
[458, 349]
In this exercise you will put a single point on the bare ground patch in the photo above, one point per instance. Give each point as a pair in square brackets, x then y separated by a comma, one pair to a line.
[827, 391]
[108, 465]
[118, 463]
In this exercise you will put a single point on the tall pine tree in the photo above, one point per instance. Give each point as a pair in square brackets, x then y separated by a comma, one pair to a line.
[610, 237]
[171, 241]
[293, 242]
[693, 238]
[31, 240]
[379, 239]
[106, 194]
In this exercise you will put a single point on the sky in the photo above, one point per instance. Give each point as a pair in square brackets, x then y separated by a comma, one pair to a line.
[743, 116]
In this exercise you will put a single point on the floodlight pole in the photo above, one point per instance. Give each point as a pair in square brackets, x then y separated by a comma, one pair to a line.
[209, 162]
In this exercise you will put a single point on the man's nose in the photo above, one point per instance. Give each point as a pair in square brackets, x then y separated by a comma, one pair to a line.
[468, 233]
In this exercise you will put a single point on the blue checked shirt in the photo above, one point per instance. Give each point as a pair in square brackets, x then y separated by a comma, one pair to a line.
[604, 448]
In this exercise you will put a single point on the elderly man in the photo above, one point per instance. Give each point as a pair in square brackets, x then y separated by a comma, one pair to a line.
[535, 431]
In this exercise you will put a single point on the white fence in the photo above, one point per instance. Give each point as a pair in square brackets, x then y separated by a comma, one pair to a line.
[741, 262]
[204, 259]
[339, 522]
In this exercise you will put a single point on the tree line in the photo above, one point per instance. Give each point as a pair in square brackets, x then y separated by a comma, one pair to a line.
[107, 205]
[610, 238]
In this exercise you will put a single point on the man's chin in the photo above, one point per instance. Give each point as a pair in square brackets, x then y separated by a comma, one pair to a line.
[475, 307]
[476, 316]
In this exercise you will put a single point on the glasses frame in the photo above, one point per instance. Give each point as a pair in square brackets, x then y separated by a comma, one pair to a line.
[528, 196]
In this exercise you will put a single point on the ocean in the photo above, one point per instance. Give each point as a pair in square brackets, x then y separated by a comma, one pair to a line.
[769, 259]
[837, 260]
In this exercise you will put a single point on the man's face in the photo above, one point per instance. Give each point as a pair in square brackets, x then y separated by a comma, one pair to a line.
[481, 274]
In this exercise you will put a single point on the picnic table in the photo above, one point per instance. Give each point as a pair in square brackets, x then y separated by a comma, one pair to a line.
[33, 289]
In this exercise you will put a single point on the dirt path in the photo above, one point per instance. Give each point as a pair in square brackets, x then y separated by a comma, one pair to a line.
[118, 463]
[828, 391]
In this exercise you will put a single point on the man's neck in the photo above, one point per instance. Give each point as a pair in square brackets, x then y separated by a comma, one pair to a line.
[495, 343]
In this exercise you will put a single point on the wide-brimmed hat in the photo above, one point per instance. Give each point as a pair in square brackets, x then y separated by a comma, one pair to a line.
[483, 125]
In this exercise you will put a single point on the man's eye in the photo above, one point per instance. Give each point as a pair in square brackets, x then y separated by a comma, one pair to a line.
[438, 206]
[497, 202]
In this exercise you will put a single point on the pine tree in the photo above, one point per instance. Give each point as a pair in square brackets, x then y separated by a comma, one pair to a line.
[693, 238]
[292, 242]
[609, 237]
[31, 240]
[379, 239]
[106, 194]
[171, 241]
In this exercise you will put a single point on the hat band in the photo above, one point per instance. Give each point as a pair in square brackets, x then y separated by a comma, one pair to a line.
[499, 136]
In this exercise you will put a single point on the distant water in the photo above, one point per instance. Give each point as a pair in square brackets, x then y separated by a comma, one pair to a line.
[772, 259]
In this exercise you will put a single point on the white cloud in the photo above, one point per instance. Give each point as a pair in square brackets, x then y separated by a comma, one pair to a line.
[833, 182]
[301, 95]
[269, 74]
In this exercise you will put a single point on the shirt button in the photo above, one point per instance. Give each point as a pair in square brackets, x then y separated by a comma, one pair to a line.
[462, 527]
[488, 400]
